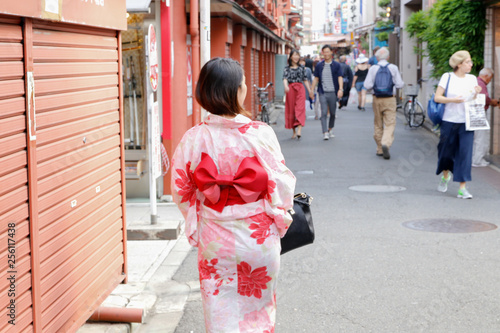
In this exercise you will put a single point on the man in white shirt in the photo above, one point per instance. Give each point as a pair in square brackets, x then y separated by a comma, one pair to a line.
[384, 101]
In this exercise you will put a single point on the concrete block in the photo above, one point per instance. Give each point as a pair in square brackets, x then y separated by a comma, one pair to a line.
[163, 230]
[105, 328]
[129, 289]
[116, 301]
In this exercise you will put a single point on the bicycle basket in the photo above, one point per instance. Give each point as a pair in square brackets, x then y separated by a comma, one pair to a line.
[411, 90]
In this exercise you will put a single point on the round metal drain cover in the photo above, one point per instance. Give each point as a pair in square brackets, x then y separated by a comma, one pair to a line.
[449, 225]
[377, 188]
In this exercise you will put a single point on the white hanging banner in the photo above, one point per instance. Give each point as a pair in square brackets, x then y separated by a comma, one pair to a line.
[153, 58]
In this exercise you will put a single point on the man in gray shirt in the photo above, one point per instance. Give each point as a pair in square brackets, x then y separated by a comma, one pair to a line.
[384, 101]
[328, 77]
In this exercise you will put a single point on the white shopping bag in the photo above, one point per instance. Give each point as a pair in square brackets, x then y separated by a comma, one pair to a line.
[475, 114]
[353, 97]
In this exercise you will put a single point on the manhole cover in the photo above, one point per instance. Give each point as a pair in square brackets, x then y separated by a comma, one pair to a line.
[377, 188]
[305, 172]
[449, 225]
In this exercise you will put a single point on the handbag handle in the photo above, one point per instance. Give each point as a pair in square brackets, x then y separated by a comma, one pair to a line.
[447, 84]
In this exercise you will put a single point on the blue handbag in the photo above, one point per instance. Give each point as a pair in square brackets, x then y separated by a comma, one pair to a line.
[435, 110]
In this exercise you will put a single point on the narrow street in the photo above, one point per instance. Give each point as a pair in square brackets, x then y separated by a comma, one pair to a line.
[366, 271]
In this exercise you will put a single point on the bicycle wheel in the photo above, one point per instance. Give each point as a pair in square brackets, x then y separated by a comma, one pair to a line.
[417, 117]
[414, 113]
[264, 116]
[407, 109]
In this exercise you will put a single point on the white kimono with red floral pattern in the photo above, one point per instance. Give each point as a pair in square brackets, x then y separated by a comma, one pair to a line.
[239, 247]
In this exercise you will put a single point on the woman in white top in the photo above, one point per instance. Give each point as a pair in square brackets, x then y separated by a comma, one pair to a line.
[455, 143]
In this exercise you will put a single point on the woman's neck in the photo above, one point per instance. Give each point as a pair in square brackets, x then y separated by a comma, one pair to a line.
[294, 65]
[460, 74]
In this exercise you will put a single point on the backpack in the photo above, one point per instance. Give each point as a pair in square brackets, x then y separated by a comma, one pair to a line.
[383, 85]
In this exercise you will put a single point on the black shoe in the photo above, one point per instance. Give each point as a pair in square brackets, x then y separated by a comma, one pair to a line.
[360, 108]
[298, 137]
[385, 152]
[379, 154]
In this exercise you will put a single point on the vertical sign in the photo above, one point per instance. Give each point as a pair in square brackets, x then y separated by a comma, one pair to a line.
[153, 58]
[337, 22]
[353, 15]
[345, 14]
[189, 76]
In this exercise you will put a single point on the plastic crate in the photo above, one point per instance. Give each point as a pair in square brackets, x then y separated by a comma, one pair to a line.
[411, 90]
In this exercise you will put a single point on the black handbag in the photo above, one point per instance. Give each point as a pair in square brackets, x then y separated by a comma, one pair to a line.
[301, 231]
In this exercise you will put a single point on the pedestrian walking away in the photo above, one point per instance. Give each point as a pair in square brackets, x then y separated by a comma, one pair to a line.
[309, 101]
[481, 144]
[383, 78]
[347, 80]
[294, 76]
[230, 182]
[328, 78]
[373, 59]
[455, 142]
[360, 72]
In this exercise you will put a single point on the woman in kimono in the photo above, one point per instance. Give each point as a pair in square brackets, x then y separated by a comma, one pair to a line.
[230, 181]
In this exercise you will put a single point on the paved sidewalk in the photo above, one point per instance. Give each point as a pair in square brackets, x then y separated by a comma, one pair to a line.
[151, 265]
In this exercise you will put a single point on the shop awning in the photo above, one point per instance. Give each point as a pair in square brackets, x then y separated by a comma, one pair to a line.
[138, 6]
[331, 40]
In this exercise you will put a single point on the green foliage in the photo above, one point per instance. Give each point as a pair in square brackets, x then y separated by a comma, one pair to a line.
[382, 36]
[450, 26]
[385, 24]
[384, 3]
[365, 45]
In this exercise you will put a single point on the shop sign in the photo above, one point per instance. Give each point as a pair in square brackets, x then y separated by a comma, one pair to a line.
[337, 22]
[345, 14]
[153, 58]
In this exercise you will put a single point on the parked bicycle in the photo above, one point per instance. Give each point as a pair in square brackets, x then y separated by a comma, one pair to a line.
[263, 97]
[413, 109]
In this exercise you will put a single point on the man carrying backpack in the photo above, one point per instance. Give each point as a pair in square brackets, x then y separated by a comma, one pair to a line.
[382, 78]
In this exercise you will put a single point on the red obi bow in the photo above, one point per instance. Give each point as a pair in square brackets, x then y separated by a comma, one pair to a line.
[249, 182]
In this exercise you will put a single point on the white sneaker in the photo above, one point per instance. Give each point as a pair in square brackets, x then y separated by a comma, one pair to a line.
[325, 136]
[443, 184]
[331, 134]
[464, 194]
[483, 163]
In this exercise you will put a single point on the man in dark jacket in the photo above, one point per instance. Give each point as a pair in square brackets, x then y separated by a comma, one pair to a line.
[328, 78]
[347, 76]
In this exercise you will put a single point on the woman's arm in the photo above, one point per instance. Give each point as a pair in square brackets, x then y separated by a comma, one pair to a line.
[314, 84]
[308, 86]
[285, 83]
[440, 98]
[354, 81]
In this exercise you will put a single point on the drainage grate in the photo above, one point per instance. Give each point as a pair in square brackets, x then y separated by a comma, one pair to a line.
[377, 188]
[449, 225]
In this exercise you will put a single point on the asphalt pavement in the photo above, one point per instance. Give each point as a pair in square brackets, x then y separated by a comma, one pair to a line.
[366, 271]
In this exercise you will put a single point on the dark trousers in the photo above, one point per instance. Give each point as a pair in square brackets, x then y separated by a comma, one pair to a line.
[455, 151]
[328, 102]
